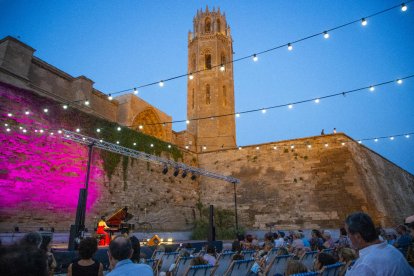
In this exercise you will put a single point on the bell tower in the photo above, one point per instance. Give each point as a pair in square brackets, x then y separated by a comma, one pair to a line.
[210, 86]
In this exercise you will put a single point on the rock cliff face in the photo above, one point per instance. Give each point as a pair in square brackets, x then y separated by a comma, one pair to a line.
[309, 183]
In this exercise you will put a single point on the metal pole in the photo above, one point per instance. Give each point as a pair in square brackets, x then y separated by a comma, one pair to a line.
[235, 207]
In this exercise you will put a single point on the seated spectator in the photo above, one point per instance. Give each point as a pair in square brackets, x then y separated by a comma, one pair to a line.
[329, 243]
[410, 251]
[279, 241]
[343, 240]
[247, 243]
[323, 259]
[295, 266]
[47, 247]
[86, 265]
[32, 239]
[136, 246]
[297, 243]
[404, 240]
[210, 255]
[23, 260]
[348, 256]
[390, 238]
[268, 242]
[198, 261]
[306, 243]
[236, 246]
[375, 257]
[119, 253]
[316, 240]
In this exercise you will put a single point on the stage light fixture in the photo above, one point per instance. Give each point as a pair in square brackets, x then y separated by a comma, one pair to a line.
[184, 174]
[165, 170]
[176, 171]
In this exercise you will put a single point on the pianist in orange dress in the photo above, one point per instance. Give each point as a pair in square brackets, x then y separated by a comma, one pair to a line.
[101, 231]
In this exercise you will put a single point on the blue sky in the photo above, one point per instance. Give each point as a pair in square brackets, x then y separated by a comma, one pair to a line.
[122, 44]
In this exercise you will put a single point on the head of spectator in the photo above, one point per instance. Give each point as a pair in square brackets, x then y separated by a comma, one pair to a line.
[236, 246]
[211, 250]
[136, 247]
[249, 238]
[282, 251]
[342, 231]
[23, 259]
[327, 235]
[295, 266]
[361, 230]
[323, 259]
[199, 260]
[316, 233]
[401, 229]
[45, 244]
[347, 255]
[240, 237]
[120, 249]
[32, 239]
[87, 248]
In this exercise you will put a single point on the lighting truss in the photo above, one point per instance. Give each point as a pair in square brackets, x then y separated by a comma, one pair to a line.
[86, 140]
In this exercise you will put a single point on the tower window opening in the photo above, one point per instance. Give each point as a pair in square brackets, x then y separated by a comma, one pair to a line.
[208, 61]
[223, 59]
[193, 64]
[224, 95]
[192, 99]
[218, 26]
[207, 25]
[208, 95]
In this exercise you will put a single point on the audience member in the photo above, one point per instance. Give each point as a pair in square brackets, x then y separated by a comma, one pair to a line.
[32, 239]
[316, 240]
[210, 255]
[85, 265]
[347, 256]
[119, 253]
[236, 246]
[23, 260]
[47, 247]
[329, 243]
[323, 259]
[199, 260]
[375, 257]
[343, 240]
[295, 266]
[404, 240]
[136, 246]
[279, 241]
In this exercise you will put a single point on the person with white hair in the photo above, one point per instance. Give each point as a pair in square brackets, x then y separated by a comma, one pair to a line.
[329, 242]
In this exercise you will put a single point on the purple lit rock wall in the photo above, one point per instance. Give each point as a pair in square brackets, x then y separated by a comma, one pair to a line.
[40, 173]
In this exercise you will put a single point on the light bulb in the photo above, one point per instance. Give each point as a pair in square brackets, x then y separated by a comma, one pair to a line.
[65, 106]
[326, 145]
[290, 47]
[359, 142]
[263, 111]
[403, 7]
[290, 106]
[135, 144]
[257, 148]
[191, 76]
[27, 112]
[392, 138]
[110, 97]
[24, 131]
[238, 115]
[100, 141]
[41, 131]
[364, 22]
[141, 127]
[186, 147]
[9, 114]
[326, 34]
[240, 148]
[375, 140]
[255, 58]
[317, 101]
[45, 110]
[8, 129]
[222, 68]
[292, 146]
[371, 88]
[407, 136]
[86, 102]
[275, 148]
[169, 146]
[161, 84]
[187, 122]
[59, 131]
[135, 91]
[204, 147]
[399, 81]
[309, 146]
[77, 130]
[98, 130]
[343, 144]
[118, 128]
[117, 142]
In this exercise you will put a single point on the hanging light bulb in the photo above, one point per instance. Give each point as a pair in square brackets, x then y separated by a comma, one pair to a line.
[98, 130]
[117, 142]
[204, 147]
[292, 146]
[187, 122]
[255, 58]
[359, 142]
[343, 144]
[326, 34]
[275, 148]
[24, 130]
[9, 114]
[375, 140]
[326, 145]
[290, 106]
[141, 127]
[135, 91]
[191, 76]
[371, 88]
[27, 112]
[317, 101]
[290, 47]
[399, 81]
[240, 148]
[392, 138]
[110, 97]
[65, 106]
[186, 147]
[45, 110]
[257, 148]
[222, 68]
[77, 130]
[100, 141]
[364, 22]
[8, 129]
[161, 84]
[118, 128]
[169, 146]
[59, 131]
[152, 145]
[309, 146]
[238, 115]
[263, 111]
[403, 7]
[407, 136]
[86, 102]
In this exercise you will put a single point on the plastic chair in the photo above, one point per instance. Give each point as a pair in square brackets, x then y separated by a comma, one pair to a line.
[183, 263]
[277, 265]
[239, 267]
[157, 254]
[331, 270]
[167, 260]
[248, 254]
[308, 259]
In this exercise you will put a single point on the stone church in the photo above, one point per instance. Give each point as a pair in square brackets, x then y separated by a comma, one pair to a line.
[286, 183]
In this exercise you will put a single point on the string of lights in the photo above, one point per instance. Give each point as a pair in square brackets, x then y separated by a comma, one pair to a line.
[290, 105]
[10, 128]
[254, 56]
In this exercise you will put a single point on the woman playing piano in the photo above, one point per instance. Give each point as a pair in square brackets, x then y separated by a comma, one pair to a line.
[101, 231]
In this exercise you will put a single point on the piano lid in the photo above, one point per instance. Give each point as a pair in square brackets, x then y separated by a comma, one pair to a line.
[119, 216]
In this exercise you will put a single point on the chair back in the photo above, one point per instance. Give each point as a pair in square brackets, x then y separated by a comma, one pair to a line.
[157, 254]
[153, 263]
[328, 250]
[308, 259]
[248, 254]
[332, 270]
[200, 270]
[201, 253]
[305, 274]
[239, 267]
[183, 264]
[167, 260]
[223, 262]
[277, 265]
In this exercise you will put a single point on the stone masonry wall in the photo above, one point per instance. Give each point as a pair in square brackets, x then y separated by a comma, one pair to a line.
[304, 187]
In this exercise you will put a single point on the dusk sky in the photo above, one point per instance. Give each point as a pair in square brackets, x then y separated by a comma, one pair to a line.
[124, 44]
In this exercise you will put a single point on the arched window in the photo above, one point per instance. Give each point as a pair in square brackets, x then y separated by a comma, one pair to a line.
[192, 99]
[218, 25]
[208, 96]
[224, 95]
[193, 63]
[223, 59]
[207, 61]
[207, 25]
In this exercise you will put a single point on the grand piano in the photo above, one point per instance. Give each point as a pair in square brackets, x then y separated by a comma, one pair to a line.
[117, 222]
